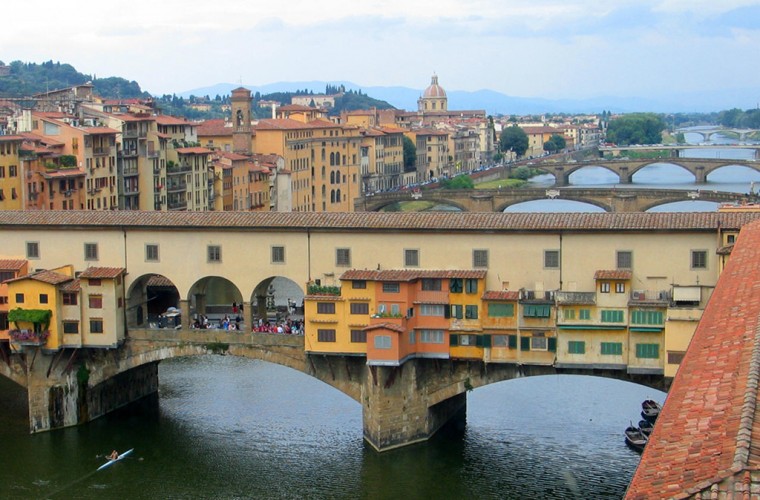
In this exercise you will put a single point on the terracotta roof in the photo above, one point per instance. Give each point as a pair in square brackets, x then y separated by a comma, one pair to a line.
[725, 250]
[193, 151]
[71, 286]
[408, 274]
[708, 430]
[459, 222]
[50, 277]
[11, 138]
[102, 272]
[11, 264]
[324, 297]
[385, 326]
[101, 130]
[501, 295]
[613, 274]
[171, 120]
[158, 280]
[218, 127]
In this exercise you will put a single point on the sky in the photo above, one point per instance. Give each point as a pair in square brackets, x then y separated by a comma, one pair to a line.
[527, 48]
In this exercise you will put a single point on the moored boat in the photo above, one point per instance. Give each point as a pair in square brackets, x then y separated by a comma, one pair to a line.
[646, 426]
[635, 438]
[650, 410]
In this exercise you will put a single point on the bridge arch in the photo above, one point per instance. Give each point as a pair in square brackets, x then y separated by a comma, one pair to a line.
[148, 296]
[576, 167]
[213, 295]
[733, 163]
[276, 297]
[565, 197]
[664, 161]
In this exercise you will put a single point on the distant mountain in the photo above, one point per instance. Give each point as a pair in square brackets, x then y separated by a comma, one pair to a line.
[497, 103]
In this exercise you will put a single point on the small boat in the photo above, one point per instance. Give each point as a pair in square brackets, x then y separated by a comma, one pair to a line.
[114, 460]
[646, 427]
[650, 410]
[635, 439]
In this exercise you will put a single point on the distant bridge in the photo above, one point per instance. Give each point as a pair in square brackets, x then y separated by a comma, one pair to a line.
[497, 200]
[700, 168]
[708, 133]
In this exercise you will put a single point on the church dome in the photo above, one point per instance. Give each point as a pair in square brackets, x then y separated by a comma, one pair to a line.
[434, 90]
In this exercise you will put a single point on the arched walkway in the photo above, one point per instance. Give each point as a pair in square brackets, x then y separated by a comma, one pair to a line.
[149, 297]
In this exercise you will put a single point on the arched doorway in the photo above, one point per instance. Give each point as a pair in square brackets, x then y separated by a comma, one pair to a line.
[216, 299]
[277, 299]
[150, 296]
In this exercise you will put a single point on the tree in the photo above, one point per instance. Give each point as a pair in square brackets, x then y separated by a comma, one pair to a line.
[458, 182]
[636, 128]
[555, 143]
[410, 155]
[515, 139]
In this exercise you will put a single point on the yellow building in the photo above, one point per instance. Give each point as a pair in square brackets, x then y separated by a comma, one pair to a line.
[11, 197]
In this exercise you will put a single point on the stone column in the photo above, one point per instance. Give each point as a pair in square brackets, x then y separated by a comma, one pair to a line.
[184, 311]
[398, 409]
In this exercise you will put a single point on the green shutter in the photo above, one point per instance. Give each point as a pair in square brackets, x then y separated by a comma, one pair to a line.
[454, 339]
[552, 344]
[512, 341]
[447, 312]
[485, 339]
[525, 343]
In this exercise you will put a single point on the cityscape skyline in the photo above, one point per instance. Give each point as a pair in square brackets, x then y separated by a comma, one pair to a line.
[549, 49]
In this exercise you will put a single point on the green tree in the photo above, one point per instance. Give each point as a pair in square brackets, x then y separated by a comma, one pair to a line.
[515, 139]
[458, 182]
[636, 128]
[410, 155]
[555, 143]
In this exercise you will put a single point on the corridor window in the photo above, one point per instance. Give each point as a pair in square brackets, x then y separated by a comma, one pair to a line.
[325, 307]
[431, 284]
[278, 255]
[359, 308]
[411, 258]
[151, 253]
[90, 251]
[500, 310]
[326, 335]
[96, 301]
[382, 342]
[32, 250]
[391, 287]
[358, 337]
[471, 285]
[471, 312]
[343, 257]
[612, 348]
[576, 347]
[70, 327]
[648, 351]
[432, 310]
[480, 258]
[619, 287]
[551, 259]
[214, 253]
[604, 287]
[96, 325]
[431, 336]
[624, 259]
[699, 259]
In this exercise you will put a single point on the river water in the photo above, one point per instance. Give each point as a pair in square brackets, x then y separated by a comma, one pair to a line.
[225, 427]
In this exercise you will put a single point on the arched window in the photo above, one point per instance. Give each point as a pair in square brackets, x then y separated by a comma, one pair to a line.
[332, 196]
[323, 173]
[332, 177]
[337, 196]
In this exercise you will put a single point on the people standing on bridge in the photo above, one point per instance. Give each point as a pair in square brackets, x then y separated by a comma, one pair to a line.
[234, 308]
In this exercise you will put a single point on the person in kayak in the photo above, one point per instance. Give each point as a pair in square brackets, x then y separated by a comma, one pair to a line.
[113, 456]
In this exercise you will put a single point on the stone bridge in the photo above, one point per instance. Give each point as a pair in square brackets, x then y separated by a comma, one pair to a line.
[708, 133]
[700, 168]
[401, 405]
[497, 200]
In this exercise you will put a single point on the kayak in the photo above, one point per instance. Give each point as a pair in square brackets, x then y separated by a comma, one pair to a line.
[114, 460]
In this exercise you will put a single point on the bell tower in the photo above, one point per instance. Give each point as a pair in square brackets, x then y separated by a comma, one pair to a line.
[241, 120]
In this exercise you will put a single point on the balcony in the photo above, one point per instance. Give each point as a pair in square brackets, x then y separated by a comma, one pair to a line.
[178, 169]
[654, 297]
[101, 151]
[130, 134]
[128, 153]
[588, 298]
[180, 187]
[177, 205]
[131, 190]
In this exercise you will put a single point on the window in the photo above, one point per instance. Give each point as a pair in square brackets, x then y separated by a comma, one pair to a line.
[43, 298]
[468, 340]
[19, 298]
[431, 284]
[90, 251]
[382, 341]
[674, 357]
[604, 287]
[648, 351]
[214, 253]
[343, 257]
[699, 259]
[359, 308]
[619, 287]
[612, 316]
[624, 259]
[326, 335]
[538, 342]
[576, 347]
[431, 336]
[730, 239]
[69, 299]
[497, 310]
[96, 325]
[390, 287]
[412, 338]
[151, 253]
[455, 285]
[4, 321]
[358, 336]
[3, 300]
[471, 312]
[569, 313]
[94, 282]
[584, 314]
[32, 250]
[432, 309]
[536, 311]
[500, 340]
[395, 310]
[325, 307]
[479, 258]
[471, 285]
[612, 348]
[551, 259]
[95, 301]
[457, 311]
[71, 327]
[358, 284]
[278, 255]
[640, 317]
[411, 258]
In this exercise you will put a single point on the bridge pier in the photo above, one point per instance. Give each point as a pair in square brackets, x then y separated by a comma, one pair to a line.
[699, 174]
[65, 398]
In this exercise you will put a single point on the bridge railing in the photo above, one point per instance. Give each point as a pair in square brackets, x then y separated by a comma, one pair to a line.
[193, 336]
